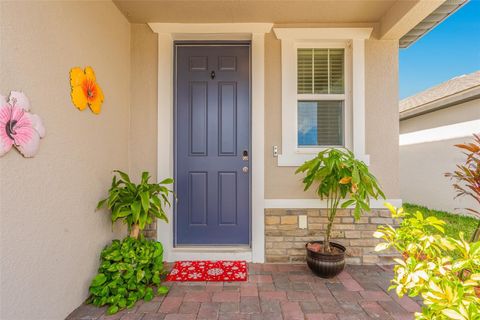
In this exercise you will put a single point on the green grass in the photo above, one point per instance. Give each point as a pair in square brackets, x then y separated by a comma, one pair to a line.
[455, 223]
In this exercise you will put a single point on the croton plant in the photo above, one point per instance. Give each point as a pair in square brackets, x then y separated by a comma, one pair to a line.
[466, 177]
[443, 270]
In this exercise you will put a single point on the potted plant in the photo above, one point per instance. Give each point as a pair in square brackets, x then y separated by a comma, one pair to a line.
[137, 204]
[337, 176]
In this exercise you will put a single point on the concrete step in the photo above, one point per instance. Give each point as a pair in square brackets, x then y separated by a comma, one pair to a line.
[387, 258]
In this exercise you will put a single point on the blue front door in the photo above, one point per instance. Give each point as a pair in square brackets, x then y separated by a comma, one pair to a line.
[212, 132]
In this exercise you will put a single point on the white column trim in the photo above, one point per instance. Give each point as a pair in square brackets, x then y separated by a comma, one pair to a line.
[211, 28]
[258, 147]
[165, 132]
[167, 33]
[305, 34]
[320, 204]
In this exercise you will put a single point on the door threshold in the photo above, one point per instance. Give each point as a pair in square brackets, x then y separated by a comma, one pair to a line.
[213, 248]
[196, 253]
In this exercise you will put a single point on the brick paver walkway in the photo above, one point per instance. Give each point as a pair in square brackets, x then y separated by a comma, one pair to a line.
[274, 291]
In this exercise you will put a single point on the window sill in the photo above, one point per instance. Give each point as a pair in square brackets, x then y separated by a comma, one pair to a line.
[315, 150]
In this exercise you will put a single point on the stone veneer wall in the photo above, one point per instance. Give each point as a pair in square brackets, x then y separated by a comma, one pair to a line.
[150, 231]
[285, 241]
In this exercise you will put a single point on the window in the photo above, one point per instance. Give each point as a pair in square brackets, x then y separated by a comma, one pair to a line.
[323, 92]
[320, 123]
[320, 97]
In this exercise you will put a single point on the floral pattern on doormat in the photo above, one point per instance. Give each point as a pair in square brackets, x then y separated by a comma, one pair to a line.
[208, 271]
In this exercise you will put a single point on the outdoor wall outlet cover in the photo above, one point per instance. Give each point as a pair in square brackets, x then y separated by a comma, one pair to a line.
[302, 222]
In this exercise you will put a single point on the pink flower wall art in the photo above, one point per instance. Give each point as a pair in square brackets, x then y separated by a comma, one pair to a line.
[18, 127]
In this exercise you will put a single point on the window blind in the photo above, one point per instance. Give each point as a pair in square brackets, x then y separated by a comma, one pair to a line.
[305, 71]
[320, 123]
[336, 71]
[320, 71]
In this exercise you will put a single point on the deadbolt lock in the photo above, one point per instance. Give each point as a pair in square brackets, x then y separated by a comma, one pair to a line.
[245, 155]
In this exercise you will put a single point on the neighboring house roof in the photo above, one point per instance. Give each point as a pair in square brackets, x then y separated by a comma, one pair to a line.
[454, 91]
[431, 21]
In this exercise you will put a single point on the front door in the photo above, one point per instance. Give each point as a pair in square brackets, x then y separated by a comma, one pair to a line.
[212, 134]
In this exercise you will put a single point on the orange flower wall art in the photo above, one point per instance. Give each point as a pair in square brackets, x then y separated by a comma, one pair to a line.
[85, 90]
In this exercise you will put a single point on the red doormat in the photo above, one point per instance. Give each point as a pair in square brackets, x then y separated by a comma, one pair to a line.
[208, 271]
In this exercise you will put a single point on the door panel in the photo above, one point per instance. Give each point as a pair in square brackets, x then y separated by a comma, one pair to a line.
[212, 132]
[227, 193]
[227, 119]
[198, 202]
[198, 106]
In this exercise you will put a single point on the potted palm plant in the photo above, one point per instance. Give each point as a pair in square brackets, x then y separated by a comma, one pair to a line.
[137, 204]
[342, 181]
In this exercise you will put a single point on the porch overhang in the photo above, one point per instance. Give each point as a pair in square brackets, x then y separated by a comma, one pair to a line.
[390, 19]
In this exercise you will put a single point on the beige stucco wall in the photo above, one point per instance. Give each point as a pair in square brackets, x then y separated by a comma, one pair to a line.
[381, 105]
[281, 182]
[422, 166]
[143, 135]
[51, 235]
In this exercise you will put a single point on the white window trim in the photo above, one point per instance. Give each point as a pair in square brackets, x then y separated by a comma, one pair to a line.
[255, 32]
[353, 40]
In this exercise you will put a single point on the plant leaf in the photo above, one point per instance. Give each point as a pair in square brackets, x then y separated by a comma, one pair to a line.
[162, 290]
[144, 197]
[136, 208]
[99, 280]
[112, 309]
[167, 181]
[452, 314]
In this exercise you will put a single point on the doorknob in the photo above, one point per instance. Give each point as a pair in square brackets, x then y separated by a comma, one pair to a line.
[245, 169]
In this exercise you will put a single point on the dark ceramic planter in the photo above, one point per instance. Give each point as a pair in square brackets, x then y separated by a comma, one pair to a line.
[326, 265]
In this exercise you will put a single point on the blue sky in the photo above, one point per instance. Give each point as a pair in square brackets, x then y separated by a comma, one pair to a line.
[449, 50]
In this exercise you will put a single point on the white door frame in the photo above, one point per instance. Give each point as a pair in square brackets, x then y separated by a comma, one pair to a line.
[167, 34]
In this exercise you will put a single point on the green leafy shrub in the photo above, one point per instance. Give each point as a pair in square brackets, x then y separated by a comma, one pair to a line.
[128, 271]
[137, 204]
[445, 271]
